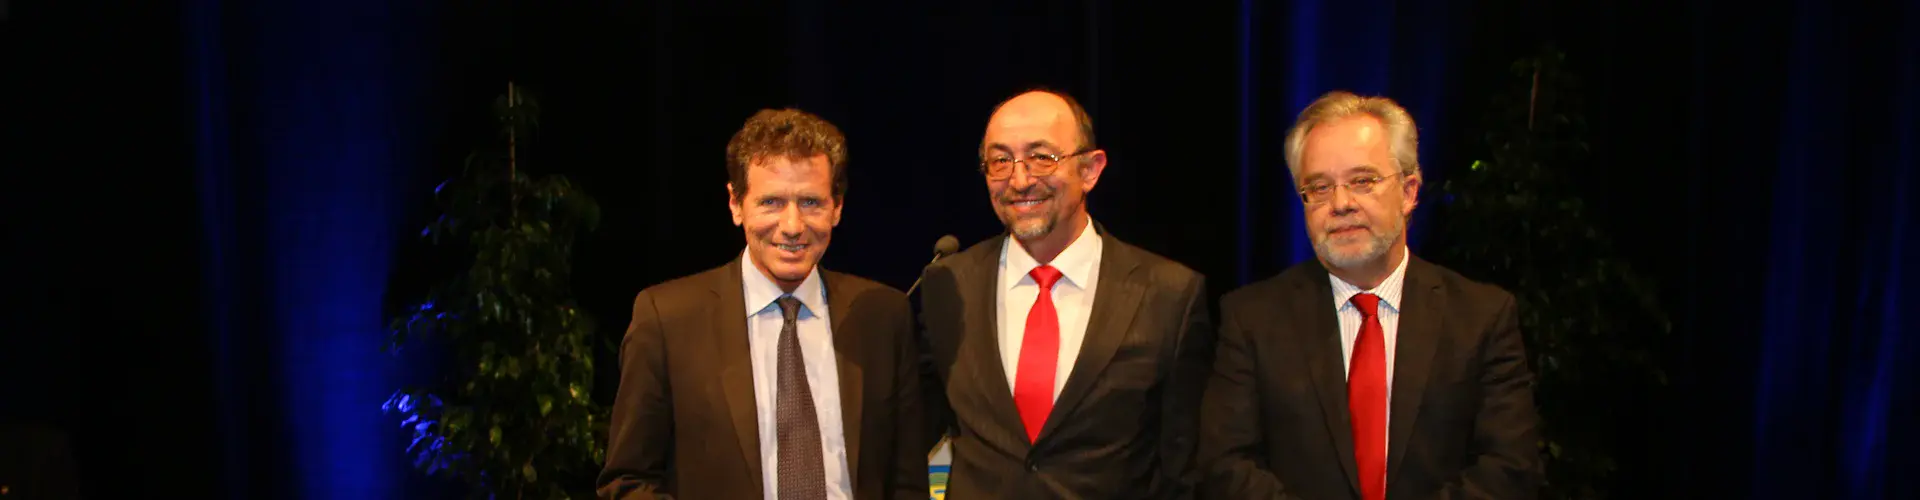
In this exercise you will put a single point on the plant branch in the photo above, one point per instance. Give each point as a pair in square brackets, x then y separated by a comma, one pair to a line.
[513, 154]
[1533, 99]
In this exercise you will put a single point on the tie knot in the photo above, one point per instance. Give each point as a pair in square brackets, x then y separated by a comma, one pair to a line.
[1046, 276]
[789, 307]
[1367, 303]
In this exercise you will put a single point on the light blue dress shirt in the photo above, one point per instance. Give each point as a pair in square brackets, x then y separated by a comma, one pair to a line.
[764, 322]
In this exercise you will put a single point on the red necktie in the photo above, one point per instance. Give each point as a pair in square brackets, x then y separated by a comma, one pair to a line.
[1039, 353]
[1367, 399]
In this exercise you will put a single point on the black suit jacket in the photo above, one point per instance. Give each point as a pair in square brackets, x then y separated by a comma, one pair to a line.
[684, 421]
[1463, 423]
[1124, 423]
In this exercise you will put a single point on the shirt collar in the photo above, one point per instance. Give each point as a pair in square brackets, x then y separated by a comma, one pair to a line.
[1076, 264]
[1389, 290]
[761, 292]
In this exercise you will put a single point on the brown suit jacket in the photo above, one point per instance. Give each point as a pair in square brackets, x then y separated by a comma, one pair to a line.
[1123, 425]
[684, 422]
[1463, 423]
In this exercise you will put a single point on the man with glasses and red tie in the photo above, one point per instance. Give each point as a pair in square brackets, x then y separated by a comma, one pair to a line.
[1367, 373]
[1071, 362]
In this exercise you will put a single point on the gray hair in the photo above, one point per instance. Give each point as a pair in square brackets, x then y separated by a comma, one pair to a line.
[1403, 141]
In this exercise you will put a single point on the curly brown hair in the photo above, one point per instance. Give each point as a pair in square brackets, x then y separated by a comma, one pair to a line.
[789, 133]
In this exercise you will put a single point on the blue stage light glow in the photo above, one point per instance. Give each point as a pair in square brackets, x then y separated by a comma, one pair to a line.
[304, 137]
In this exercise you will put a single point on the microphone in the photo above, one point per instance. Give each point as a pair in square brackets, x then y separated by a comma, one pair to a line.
[948, 245]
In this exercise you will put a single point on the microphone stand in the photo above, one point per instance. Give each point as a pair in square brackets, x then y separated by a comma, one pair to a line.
[923, 272]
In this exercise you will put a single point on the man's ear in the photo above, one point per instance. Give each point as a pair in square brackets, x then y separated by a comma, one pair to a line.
[733, 205]
[1091, 169]
[839, 202]
[1410, 189]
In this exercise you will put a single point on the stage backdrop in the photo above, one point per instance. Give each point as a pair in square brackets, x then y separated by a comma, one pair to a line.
[214, 200]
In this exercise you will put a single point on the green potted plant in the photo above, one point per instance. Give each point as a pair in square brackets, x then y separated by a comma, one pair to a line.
[511, 413]
[1590, 320]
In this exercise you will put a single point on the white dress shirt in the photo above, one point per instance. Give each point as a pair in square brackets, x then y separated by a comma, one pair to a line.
[813, 326]
[1079, 267]
[1390, 294]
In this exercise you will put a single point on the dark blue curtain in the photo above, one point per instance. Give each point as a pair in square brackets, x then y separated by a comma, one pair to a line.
[311, 129]
[1835, 385]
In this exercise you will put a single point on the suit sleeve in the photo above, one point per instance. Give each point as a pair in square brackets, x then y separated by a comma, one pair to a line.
[640, 445]
[1231, 450]
[938, 415]
[1506, 460]
[1180, 420]
[909, 479]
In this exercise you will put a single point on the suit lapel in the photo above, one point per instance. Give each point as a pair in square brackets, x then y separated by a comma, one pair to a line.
[846, 348]
[1326, 363]
[736, 377]
[979, 289]
[1114, 303]
[1421, 322]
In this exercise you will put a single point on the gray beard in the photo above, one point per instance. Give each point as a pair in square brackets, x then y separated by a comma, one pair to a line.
[1030, 229]
[1376, 248]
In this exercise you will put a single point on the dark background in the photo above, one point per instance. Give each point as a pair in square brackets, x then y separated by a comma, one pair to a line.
[208, 204]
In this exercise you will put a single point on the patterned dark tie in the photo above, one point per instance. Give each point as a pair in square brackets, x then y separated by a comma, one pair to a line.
[802, 476]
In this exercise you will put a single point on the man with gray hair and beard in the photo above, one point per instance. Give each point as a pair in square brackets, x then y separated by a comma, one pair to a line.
[1367, 373]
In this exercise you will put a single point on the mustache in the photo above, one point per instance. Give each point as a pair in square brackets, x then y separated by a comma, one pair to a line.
[1036, 192]
[1342, 225]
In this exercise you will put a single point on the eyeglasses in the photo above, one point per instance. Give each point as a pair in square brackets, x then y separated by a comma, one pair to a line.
[1038, 164]
[1322, 191]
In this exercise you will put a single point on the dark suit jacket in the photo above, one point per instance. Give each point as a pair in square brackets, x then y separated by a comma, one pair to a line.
[684, 421]
[1123, 425]
[1463, 423]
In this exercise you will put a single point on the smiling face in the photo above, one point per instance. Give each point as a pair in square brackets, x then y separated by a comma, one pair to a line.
[1349, 230]
[788, 212]
[1033, 207]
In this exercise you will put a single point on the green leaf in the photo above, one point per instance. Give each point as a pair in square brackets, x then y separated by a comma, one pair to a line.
[546, 404]
[459, 421]
[531, 475]
[493, 436]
